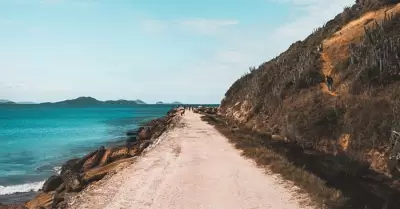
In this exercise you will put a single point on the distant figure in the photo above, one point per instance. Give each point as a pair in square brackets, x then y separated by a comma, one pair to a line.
[329, 82]
[319, 48]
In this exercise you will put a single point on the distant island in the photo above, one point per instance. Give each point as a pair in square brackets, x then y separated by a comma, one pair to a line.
[4, 101]
[90, 101]
[82, 101]
[174, 103]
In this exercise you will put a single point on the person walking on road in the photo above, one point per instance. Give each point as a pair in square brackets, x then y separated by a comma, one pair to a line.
[329, 82]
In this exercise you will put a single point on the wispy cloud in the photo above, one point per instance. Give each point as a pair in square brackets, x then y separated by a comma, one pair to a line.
[50, 1]
[77, 3]
[201, 26]
[312, 13]
[206, 26]
[8, 22]
[153, 26]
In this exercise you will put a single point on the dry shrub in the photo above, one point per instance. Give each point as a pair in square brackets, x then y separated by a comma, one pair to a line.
[376, 61]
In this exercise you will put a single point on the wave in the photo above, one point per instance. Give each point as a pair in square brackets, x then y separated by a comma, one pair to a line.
[57, 169]
[29, 187]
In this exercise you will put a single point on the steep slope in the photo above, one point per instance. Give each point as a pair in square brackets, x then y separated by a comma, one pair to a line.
[287, 95]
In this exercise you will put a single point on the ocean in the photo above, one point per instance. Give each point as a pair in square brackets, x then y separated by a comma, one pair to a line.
[35, 140]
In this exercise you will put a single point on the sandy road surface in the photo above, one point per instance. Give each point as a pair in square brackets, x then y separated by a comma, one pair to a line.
[192, 167]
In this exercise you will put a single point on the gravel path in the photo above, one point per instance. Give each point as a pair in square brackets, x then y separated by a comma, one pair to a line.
[192, 167]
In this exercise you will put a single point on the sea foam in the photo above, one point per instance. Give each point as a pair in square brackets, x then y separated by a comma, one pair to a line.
[29, 187]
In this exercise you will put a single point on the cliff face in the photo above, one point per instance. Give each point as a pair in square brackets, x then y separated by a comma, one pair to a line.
[360, 49]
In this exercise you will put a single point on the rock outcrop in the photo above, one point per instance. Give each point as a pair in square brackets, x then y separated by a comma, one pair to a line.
[207, 110]
[52, 183]
[77, 174]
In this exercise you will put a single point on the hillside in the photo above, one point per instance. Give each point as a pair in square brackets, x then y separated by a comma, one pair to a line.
[287, 96]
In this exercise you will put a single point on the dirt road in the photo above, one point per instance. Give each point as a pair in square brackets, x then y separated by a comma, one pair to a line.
[193, 166]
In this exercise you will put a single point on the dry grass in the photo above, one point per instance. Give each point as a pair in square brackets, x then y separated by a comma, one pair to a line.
[285, 94]
[331, 181]
[254, 148]
[349, 130]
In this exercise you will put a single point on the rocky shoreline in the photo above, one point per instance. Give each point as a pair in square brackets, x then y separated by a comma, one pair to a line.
[79, 173]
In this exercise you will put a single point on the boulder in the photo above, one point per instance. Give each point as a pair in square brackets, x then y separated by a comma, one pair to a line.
[143, 145]
[98, 173]
[58, 197]
[61, 188]
[172, 112]
[119, 153]
[42, 200]
[159, 131]
[72, 181]
[106, 157]
[70, 173]
[52, 183]
[145, 134]
[134, 151]
[94, 160]
[73, 165]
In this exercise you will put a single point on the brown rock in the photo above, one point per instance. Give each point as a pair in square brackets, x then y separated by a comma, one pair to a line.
[44, 200]
[12, 206]
[278, 137]
[145, 134]
[61, 188]
[144, 145]
[98, 173]
[133, 152]
[58, 197]
[119, 153]
[106, 157]
[72, 182]
[70, 173]
[94, 160]
[52, 183]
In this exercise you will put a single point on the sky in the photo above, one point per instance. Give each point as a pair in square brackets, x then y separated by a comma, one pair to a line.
[155, 50]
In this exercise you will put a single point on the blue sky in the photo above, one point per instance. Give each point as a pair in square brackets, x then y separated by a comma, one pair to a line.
[155, 50]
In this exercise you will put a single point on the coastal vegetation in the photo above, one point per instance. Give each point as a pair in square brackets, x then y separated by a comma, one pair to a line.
[344, 138]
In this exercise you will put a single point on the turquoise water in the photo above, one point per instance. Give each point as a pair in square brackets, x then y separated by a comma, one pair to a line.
[35, 140]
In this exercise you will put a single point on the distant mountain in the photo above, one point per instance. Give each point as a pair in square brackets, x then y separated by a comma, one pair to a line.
[124, 102]
[138, 101]
[80, 101]
[4, 101]
[26, 103]
[86, 101]
[175, 103]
